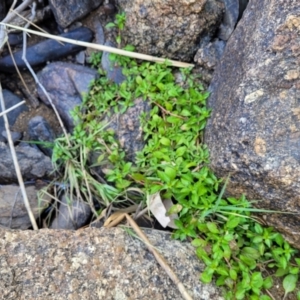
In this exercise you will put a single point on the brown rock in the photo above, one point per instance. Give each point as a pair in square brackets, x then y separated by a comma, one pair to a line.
[170, 28]
[254, 131]
[96, 264]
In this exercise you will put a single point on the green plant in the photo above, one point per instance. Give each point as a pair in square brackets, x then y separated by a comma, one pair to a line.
[119, 23]
[95, 59]
[241, 254]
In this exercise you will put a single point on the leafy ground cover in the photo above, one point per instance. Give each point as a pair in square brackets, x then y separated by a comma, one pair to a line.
[241, 254]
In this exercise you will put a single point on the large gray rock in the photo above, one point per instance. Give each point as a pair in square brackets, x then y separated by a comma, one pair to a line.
[72, 214]
[254, 130]
[13, 213]
[67, 12]
[65, 83]
[39, 130]
[102, 264]
[32, 162]
[170, 28]
[10, 100]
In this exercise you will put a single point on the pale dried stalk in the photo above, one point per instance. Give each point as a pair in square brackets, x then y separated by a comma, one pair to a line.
[33, 101]
[103, 48]
[19, 9]
[11, 108]
[36, 78]
[16, 164]
[160, 259]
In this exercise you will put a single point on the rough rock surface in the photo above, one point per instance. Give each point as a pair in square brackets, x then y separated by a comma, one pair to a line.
[96, 264]
[10, 100]
[208, 57]
[65, 83]
[15, 136]
[40, 130]
[254, 130]
[13, 213]
[67, 12]
[72, 215]
[128, 129]
[113, 71]
[33, 163]
[229, 19]
[169, 28]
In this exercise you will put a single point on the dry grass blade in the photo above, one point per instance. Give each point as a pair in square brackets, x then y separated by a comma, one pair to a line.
[11, 108]
[160, 259]
[19, 9]
[16, 164]
[103, 48]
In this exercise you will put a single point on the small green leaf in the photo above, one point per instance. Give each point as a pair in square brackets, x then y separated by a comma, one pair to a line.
[212, 227]
[175, 209]
[129, 48]
[268, 282]
[256, 280]
[199, 242]
[118, 39]
[139, 80]
[165, 141]
[185, 113]
[298, 295]
[289, 283]
[110, 25]
[181, 151]
[171, 173]
[294, 270]
[248, 261]
[138, 177]
[258, 228]
[250, 252]
[232, 274]
[265, 297]
[206, 276]
[233, 222]
[222, 271]
[257, 239]
[240, 293]
[280, 272]
[163, 176]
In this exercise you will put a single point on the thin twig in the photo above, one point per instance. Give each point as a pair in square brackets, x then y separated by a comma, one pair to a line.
[32, 24]
[16, 164]
[36, 78]
[33, 101]
[167, 112]
[11, 15]
[11, 108]
[160, 259]
[13, 5]
[103, 48]
[269, 293]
